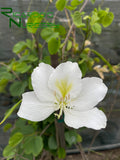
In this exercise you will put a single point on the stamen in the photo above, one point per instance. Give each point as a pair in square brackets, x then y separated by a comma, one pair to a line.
[62, 103]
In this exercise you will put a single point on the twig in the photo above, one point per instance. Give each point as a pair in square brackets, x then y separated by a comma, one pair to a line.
[33, 158]
[3, 64]
[22, 157]
[53, 20]
[82, 152]
[70, 30]
[28, 10]
[44, 130]
[37, 46]
[93, 140]
[67, 17]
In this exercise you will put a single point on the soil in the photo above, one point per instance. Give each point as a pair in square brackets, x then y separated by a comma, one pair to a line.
[113, 154]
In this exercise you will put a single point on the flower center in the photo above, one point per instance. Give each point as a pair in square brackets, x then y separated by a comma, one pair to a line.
[62, 99]
[63, 86]
[62, 103]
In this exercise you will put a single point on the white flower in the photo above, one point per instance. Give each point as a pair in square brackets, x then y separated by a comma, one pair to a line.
[63, 89]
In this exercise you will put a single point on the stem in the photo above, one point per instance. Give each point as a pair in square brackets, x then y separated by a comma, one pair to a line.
[103, 59]
[37, 46]
[74, 41]
[44, 130]
[3, 64]
[29, 6]
[70, 30]
[21, 157]
[69, 24]
[82, 151]
[93, 140]
[53, 20]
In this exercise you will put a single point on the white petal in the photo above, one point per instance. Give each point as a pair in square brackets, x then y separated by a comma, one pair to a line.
[32, 109]
[39, 78]
[68, 76]
[93, 91]
[93, 118]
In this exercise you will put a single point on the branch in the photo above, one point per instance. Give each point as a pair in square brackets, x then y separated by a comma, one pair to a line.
[53, 20]
[37, 46]
[44, 130]
[14, 73]
[70, 30]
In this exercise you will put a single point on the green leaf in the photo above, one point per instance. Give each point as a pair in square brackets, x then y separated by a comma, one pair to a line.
[71, 137]
[53, 45]
[15, 139]
[10, 111]
[7, 127]
[33, 22]
[21, 126]
[19, 47]
[33, 145]
[47, 60]
[20, 123]
[6, 76]
[61, 153]
[27, 57]
[79, 138]
[94, 18]
[27, 156]
[93, 1]
[17, 88]
[75, 3]
[52, 144]
[83, 68]
[61, 30]
[48, 33]
[60, 4]
[30, 44]
[108, 19]
[96, 28]
[77, 19]
[3, 84]
[69, 45]
[71, 8]
[30, 83]
[9, 152]
[21, 67]
[32, 58]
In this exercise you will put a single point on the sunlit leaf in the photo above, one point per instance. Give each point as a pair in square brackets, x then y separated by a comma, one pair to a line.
[19, 47]
[60, 4]
[33, 22]
[15, 139]
[49, 33]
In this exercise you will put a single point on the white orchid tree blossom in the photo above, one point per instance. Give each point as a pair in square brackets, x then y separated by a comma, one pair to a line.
[64, 90]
